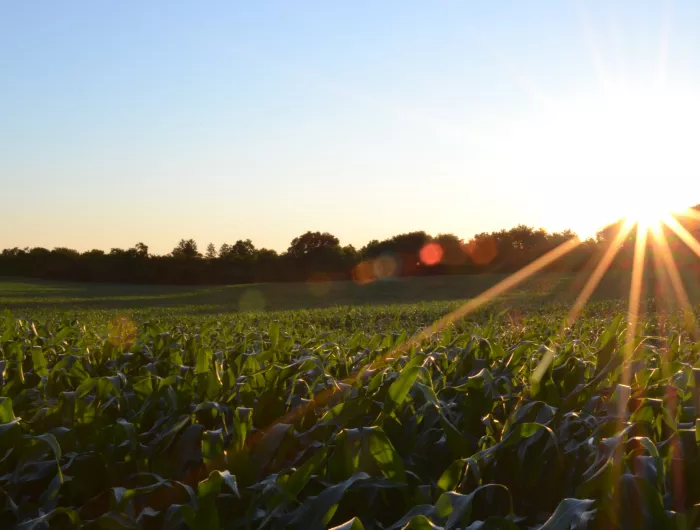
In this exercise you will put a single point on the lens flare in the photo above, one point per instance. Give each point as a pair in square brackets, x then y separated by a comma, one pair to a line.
[319, 284]
[121, 331]
[252, 300]
[363, 273]
[384, 266]
[482, 251]
[431, 254]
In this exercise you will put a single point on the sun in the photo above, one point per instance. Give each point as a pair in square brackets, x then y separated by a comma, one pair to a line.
[628, 152]
[640, 155]
[647, 210]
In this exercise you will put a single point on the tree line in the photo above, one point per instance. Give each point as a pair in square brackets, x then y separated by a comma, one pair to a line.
[318, 256]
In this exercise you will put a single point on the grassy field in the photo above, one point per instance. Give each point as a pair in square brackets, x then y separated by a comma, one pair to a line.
[25, 294]
[274, 296]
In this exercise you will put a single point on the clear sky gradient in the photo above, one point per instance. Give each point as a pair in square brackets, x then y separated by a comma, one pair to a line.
[154, 121]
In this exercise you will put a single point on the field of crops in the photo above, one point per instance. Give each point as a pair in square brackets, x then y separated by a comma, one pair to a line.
[323, 418]
[22, 293]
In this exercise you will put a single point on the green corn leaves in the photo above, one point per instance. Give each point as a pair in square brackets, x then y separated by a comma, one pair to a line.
[337, 419]
[400, 388]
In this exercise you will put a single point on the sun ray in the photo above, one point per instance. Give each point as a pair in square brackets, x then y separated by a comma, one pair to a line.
[662, 282]
[631, 334]
[635, 297]
[517, 278]
[683, 233]
[690, 213]
[322, 397]
[584, 295]
[671, 269]
[489, 294]
[661, 292]
[598, 273]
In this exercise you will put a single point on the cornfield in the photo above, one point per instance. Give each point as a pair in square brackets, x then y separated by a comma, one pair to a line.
[333, 418]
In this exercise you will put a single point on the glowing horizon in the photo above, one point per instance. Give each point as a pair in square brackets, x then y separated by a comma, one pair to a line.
[464, 121]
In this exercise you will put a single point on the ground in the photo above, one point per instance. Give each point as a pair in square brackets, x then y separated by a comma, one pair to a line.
[552, 287]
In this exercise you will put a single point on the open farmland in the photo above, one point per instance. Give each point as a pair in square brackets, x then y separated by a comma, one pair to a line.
[28, 295]
[160, 417]
[23, 294]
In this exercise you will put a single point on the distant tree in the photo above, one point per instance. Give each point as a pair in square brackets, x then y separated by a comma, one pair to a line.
[564, 235]
[319, 255]
[66, 252]
[407, 245]
[411, 242]
[241, 249]
[267, 253]
[311, 241]
[453, 249]
[224, 250]
[266, 266]
[350, 251]
[186, 249]
[141, 250]
[608, 233]
[404, 249]
[316, 253]
[372, 249]
[525, 238]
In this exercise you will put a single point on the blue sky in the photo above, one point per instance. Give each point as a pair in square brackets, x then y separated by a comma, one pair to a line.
[131, 121]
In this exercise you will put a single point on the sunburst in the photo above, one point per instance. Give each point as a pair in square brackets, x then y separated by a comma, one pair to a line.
[629, 153]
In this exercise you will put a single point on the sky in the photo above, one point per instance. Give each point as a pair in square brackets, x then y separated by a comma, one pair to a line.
[137, 121]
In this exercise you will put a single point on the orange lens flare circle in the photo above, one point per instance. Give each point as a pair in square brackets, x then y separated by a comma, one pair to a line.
[431, 254]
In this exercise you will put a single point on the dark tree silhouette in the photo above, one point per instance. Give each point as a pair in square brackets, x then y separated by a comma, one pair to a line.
[186, 249]
[454, 251]
[312, 241]
[319, 255]
[141, 250]
[241, 249]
